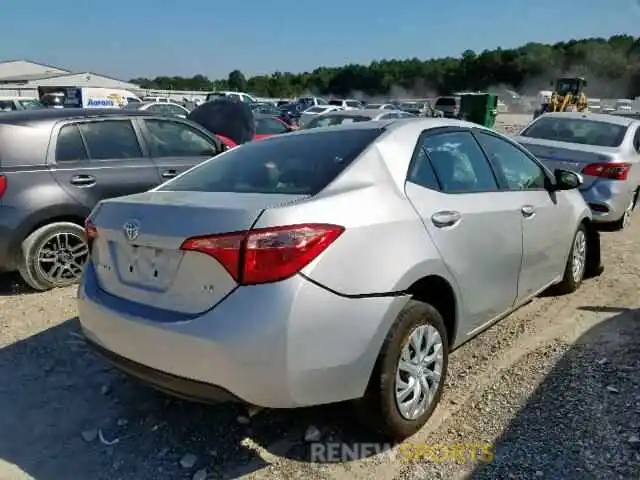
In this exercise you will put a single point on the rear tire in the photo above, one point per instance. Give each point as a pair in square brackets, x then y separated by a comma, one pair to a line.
[53, 256]
[576, 266]
[391, 404]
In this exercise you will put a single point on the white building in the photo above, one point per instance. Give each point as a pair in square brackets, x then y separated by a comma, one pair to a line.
[22, 78]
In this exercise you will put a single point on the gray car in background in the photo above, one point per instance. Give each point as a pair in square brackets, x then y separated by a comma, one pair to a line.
[330, 264]
[57, 164]
[604, 149]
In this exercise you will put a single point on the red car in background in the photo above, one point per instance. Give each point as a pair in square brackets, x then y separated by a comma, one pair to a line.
[266, 126]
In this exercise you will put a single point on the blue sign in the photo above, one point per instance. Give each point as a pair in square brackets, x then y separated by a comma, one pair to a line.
[100, 102]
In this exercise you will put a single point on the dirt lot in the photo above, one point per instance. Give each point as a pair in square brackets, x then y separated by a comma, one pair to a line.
[555, 388]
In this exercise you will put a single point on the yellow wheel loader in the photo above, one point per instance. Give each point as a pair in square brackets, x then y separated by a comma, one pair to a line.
[567, 96]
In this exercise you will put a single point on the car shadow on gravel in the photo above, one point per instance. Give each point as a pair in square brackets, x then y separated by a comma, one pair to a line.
[64, 413]
[11, 284]
[583, 421]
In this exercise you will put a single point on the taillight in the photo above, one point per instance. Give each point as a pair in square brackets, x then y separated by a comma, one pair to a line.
[267, 254]
[90, 231]
[3, 185]
[613, 171]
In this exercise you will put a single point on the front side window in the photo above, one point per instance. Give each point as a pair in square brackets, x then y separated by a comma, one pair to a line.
[459, 163]
[519, 171]
[288, 164]
[69, 145]
[175, 139]
[111, 140]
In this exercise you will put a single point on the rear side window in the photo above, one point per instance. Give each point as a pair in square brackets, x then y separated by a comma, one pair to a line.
[111, 140]
[287, 164]
[69, 145]
[458, 162]
[337, 103]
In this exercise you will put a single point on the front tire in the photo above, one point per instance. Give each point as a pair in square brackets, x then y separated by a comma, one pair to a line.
[625, 220]
[576, 263]
[408, 378]
[53, 256]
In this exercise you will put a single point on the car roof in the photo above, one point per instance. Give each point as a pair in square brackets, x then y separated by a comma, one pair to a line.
[598, 117]
[263, 115]
[43, 115]
[421, 123]
[144, 104]
[367, 112]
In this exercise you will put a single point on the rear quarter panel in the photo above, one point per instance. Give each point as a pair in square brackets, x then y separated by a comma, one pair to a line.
[385, 247]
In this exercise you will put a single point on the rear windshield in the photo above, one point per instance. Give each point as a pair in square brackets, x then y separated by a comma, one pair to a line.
[577, 130]
[290, 164]
[446, 102]
[634, 115]
[330, 120]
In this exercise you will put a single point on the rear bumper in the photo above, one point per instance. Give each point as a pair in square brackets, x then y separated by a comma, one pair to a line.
[608, 200]
[10, 223]
[280, 345]
[179, 387]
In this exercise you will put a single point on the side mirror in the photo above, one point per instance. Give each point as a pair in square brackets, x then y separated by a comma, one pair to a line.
[567, 180]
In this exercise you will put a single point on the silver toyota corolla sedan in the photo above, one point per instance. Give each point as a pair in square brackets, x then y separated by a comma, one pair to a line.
[605, 149]
[331, 264]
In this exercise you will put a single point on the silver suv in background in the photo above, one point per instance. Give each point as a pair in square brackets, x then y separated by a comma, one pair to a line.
[331, 264]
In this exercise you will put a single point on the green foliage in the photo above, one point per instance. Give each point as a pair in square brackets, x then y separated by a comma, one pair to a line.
[612, 67]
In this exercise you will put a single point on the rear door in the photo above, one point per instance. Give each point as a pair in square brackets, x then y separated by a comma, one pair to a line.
[475, 226]
[176, 146]
[98, 159]
[546, 236]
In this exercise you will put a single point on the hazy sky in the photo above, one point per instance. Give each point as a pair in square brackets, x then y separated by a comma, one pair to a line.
[134, 38]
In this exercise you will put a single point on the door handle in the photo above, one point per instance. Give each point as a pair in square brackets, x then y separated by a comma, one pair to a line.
[169, 174]
[528, 210]
[445, 219]
[83, 180]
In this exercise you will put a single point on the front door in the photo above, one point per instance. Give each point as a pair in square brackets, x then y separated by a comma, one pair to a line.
[545, 238]
[476, 230]
[175, 146]
[99, 159]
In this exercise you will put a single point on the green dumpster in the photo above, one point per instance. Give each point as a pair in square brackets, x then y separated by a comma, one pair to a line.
[481, 108]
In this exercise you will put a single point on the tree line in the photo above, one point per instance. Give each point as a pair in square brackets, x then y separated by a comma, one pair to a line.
[611, 67]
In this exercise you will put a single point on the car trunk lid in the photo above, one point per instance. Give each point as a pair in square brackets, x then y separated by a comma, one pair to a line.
[137, 254]
[559, 155]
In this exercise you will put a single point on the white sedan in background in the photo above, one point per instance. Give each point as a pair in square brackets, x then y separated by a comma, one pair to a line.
[310, 113]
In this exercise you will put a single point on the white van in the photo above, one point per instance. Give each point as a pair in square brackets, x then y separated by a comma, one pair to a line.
[91, 97]
[243, 97]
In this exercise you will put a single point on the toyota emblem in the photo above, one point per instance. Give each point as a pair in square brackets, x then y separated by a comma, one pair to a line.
[131, 230]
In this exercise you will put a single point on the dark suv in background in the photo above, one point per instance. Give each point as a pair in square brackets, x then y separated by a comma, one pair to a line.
[449, 106]
[55, 165]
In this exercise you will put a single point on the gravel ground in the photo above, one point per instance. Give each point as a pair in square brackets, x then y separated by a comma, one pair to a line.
[554, 388]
